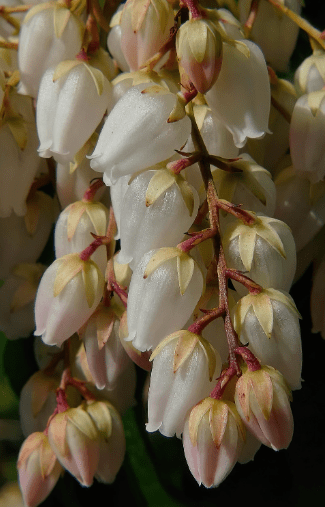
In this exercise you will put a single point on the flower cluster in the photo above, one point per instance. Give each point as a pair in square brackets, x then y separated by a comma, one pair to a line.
[193, 167]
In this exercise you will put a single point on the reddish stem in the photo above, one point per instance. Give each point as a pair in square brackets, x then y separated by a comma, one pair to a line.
[194, 9]
[236, 275]
[196, 239]
[210, 315]
[223, 380]
[87, 252]
[252, 362]
[113, 285]
[251, 18]
[122, 294]
[90, 193]
[178, 165]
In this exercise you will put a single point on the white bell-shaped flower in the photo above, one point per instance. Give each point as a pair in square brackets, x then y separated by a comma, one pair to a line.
[68, 294]
[241, 96]
[269, 323]
[72, 100]
[136, 134]
[144, 29]
[164, 289]
[22, 239]
[48, 35]
[184, 370]
[158, 207]
[265, 251]
[274, 32]
[307, 130]
[74, 227]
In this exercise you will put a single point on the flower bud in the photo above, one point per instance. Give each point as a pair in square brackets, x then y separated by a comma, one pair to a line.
[72, 100]
[74, 227]
[49, 35]
[199, 51]
[68, 294]
[164, 289]
[158, 207]
[184, 370]
[106, 356]
[307, 130]
[264, 251]
[310, 75]
[112, 447]
[213, 438]
[137, 135]
[144, 29]
[262, 400]
[38, 468]
[75, 440]
[269, 323]
[244, 111]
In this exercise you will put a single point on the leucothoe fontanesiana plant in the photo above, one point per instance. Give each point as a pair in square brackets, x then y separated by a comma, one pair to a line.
[187, 139]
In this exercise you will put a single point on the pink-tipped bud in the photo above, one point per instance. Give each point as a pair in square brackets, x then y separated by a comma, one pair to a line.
[262, 400]
[112, 444]
[38, 468]
[213, 438]
[145, 28]
[75, 441]
[199, 51]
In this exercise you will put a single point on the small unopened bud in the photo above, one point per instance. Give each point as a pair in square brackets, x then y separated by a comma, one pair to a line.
[112, 439]
[75, 441]
[199, 51]
[262, 400]
[38, 468]
[213, 438]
